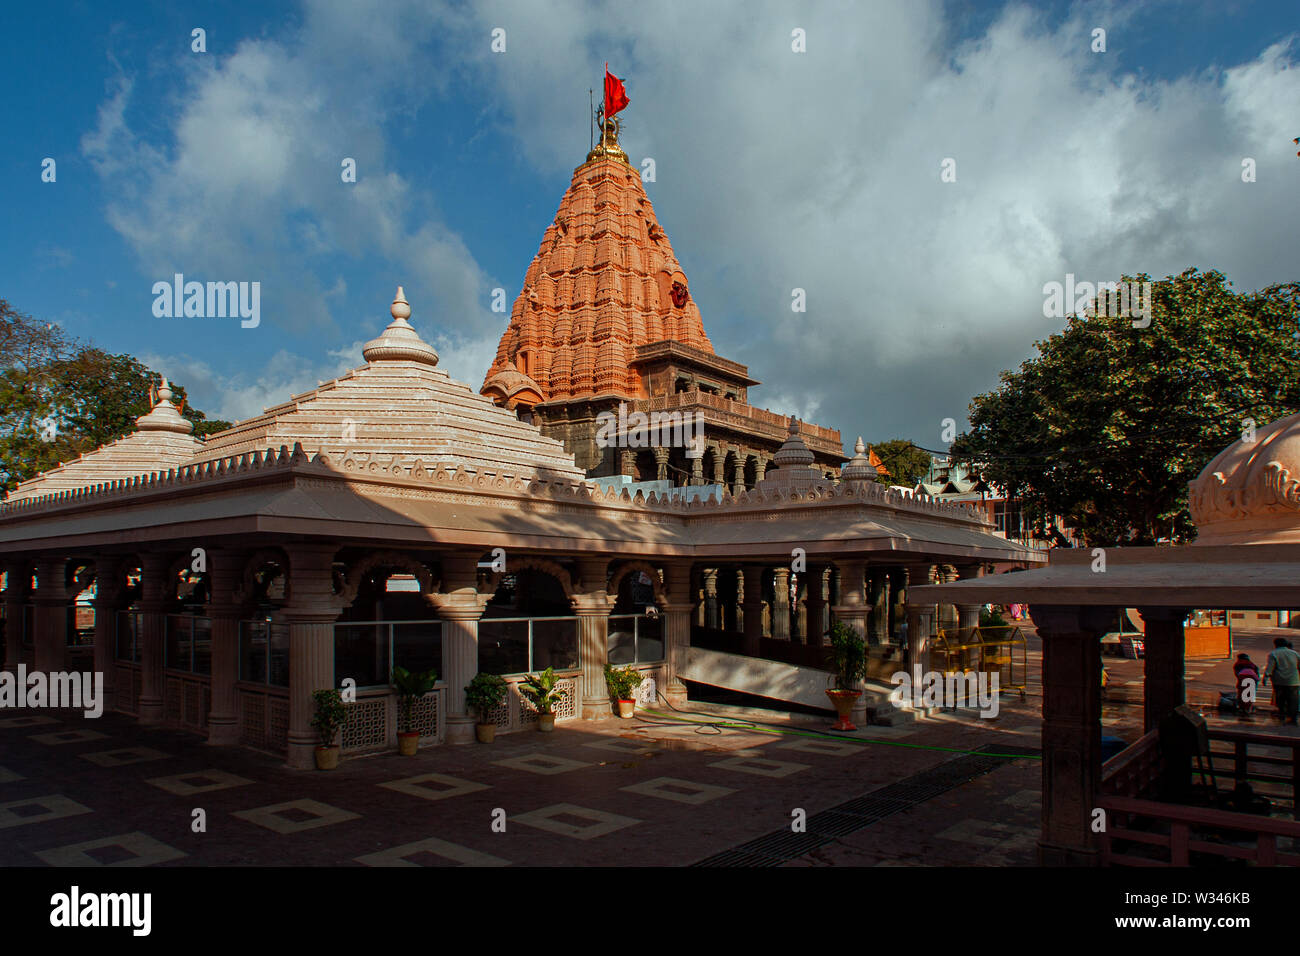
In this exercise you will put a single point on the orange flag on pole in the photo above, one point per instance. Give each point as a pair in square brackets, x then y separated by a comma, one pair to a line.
[615, 95]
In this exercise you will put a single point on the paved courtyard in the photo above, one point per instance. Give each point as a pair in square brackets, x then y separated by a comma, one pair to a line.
[80, 792]
[951, 790]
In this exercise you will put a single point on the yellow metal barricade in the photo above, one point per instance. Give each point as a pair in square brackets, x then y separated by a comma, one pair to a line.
[995, 650]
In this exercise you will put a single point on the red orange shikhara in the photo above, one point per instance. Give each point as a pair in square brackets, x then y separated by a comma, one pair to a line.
[604, 282]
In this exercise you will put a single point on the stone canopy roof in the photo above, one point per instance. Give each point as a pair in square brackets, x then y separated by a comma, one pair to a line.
[1246, 506]
[399, 408]
[162, 440]
[604, 282]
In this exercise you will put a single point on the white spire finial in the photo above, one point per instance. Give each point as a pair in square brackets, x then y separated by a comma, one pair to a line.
[859, 448]
[401, 309]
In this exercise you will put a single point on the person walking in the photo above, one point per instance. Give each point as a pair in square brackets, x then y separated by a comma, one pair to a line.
[1245, 670]
[1284, 668]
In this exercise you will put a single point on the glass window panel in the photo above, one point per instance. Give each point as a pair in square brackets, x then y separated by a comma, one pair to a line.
[361, 653]
[278, 675]
[125, 637]
[252, 651]
[176, 642]
[622, 644]
[202, 645]
[503, 647]
[555, 644]
[650, 640]
[417, 646]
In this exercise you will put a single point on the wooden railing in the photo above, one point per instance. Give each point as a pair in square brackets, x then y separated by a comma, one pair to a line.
[1243, 759]
[1133, 771]
[1177, 831]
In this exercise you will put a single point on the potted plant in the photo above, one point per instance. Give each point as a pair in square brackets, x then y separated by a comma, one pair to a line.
[410, 687]
[543, 692]
[848, 659]
[331, 714]
[622, 681]
[483, 695]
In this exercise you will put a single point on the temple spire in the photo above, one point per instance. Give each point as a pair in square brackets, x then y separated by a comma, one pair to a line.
[399, 341]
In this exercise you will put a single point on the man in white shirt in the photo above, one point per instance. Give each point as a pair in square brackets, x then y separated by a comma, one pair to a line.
[1284, 668]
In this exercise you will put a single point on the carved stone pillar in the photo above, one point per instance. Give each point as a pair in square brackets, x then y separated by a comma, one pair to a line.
[225, 579]
[738, 484]
[697, 469]
[626, 462]
[1071, 730]
[154, 593]
[877, 582]
[18, 583]
[711, 599]
[920, 628]
[677, 627]
[898, 578]
[852, 609]
[592, 607]
[1164, 682]
[661, 463]
[310, 614]
[50, 633]
[781, 604]
[109, 588]
[460, 605]
[815, 618]
[719, 465]
[753, 608]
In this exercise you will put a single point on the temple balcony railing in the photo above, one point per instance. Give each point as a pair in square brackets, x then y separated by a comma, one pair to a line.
[1142, 830]
[760, 420]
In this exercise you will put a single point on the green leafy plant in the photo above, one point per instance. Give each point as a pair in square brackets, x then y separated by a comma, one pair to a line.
[622, 681]
[992, 618]
[542, 690]
[331, 714]
[847, 655]
[410, 687]
[484, 694]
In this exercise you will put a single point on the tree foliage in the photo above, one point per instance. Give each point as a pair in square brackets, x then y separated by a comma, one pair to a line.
[905, 462]
[60, 398]
[1108, 423]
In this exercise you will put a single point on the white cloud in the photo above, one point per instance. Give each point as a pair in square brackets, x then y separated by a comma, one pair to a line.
[774, 170]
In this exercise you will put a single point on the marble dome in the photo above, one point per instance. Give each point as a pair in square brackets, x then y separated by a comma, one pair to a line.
[1250, 492]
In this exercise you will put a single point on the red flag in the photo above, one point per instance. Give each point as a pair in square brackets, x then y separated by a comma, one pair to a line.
[615, 95]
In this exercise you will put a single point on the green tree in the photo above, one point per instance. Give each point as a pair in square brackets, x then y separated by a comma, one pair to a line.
[1108, 423]
[905, 462]
[60, 398]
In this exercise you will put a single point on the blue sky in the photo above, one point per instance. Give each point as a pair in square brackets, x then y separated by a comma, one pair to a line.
[774, 170]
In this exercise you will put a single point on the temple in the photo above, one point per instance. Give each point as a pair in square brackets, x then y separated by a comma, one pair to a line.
[395, 516]
[606, 320]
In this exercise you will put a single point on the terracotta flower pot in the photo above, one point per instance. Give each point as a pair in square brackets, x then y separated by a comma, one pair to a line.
[546, 723]
[844, 701]
[486, 733]
[626, 708]
[327, 758]
[408, 743]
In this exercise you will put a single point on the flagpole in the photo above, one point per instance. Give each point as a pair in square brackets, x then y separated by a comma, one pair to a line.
[591, 121]
[605, 115]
